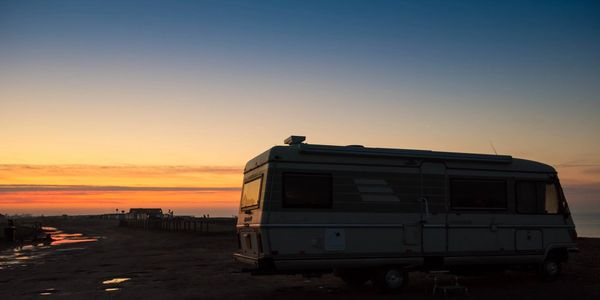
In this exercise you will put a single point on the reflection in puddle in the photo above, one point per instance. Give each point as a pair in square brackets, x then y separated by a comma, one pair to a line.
[58, 237]
[116, 280]
[72, 241]
[48, 292]
[112, 289]
[51, 236]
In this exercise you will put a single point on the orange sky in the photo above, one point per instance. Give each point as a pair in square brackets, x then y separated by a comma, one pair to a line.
[84, 189]
[85, 201]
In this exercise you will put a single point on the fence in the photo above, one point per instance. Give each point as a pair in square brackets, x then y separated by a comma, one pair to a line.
[183, 224]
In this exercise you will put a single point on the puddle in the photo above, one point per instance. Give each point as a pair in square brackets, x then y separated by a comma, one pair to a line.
[47, 292]
[22, 255]
[116, 280]
[58, 237]
[114, 283]
[72, 241]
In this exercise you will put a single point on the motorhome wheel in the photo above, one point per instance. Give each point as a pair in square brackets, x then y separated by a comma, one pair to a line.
[390, 279]
[550, 269]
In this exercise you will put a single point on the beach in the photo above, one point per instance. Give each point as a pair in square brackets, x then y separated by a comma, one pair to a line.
[118, 262]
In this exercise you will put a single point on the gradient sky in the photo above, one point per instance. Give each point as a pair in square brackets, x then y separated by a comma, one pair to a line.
[127, 102]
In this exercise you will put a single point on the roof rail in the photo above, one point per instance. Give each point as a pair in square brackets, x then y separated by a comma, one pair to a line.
[391, 153]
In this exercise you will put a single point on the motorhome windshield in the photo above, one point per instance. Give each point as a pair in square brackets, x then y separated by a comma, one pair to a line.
[251, 193]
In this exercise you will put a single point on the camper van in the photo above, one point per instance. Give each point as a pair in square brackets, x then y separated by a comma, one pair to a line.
[376, 214]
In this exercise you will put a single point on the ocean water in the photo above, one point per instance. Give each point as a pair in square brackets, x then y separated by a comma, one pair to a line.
[587, 224]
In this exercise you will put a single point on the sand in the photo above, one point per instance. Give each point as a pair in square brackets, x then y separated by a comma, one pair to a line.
[135, 264]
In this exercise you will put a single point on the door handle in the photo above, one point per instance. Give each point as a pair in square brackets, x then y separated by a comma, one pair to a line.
[424, 209]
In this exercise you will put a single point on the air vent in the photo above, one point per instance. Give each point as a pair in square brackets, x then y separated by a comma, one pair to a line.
[294, 140]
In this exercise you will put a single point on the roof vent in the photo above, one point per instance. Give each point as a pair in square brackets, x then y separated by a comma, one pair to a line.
[294, 140]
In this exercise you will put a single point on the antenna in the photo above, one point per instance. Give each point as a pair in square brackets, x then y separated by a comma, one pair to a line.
[493, 148]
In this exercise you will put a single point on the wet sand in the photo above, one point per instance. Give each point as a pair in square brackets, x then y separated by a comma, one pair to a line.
[135, 264]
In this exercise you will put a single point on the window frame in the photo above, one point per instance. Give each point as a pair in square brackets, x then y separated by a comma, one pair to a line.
[260, 192]
[283, 194]
[478, 179]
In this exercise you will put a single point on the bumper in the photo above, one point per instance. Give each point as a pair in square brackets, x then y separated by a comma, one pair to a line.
[256, 266]
[248, 260]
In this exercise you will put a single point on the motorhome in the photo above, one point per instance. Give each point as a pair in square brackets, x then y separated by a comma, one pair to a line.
[376, 214]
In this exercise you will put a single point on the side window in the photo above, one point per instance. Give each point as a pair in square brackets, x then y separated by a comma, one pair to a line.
[527, 198]
[551, 201]
[307, 190]
[537, 197]
[478, 194]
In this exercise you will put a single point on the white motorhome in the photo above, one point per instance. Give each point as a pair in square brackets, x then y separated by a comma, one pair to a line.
[376, 214]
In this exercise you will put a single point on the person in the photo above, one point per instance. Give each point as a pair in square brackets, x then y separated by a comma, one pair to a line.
[9, 231]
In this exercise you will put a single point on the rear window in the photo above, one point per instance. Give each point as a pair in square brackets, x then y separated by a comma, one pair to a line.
[307, 190]
[251, 193]
[478, 194]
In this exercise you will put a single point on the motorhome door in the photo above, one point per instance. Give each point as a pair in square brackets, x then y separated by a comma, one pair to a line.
[433, 208]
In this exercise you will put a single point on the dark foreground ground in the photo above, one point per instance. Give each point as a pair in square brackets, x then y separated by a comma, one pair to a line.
[166, 265]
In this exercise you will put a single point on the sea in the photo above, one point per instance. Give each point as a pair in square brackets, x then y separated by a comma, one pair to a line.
[587, 224]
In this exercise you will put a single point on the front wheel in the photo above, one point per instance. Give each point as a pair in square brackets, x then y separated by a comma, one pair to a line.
[550, 269]
[390, 279]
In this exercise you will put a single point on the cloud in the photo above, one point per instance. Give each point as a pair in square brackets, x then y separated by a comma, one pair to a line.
[130, 169]
[8, 188]
[592, 170]
[120, 175]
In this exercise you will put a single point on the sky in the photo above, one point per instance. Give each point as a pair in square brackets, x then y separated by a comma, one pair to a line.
[106, 105]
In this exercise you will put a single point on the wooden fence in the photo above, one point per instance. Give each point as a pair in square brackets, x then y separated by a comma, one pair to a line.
[183, 224]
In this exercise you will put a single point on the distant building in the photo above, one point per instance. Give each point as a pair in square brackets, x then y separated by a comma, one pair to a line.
[145, 213]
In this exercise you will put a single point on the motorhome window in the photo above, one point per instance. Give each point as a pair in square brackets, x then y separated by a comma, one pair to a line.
[537, 197]
[551, 203]
[251, 193]
[478, 194]
[527, 197]
[307, 190]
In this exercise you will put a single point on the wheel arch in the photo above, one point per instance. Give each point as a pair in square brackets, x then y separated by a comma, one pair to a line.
[558, 252]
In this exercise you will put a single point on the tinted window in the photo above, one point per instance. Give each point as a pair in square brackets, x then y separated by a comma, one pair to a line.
[527, 197]
[537, 197]
[478, 194]
[306, 190]
[251, 193]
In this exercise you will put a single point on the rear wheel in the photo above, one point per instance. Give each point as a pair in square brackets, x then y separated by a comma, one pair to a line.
[390, 279]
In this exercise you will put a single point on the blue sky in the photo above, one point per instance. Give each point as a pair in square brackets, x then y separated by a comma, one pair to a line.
[216, 82]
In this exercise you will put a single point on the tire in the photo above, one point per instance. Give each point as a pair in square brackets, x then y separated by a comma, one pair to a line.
[390, 279]
[550, 269]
